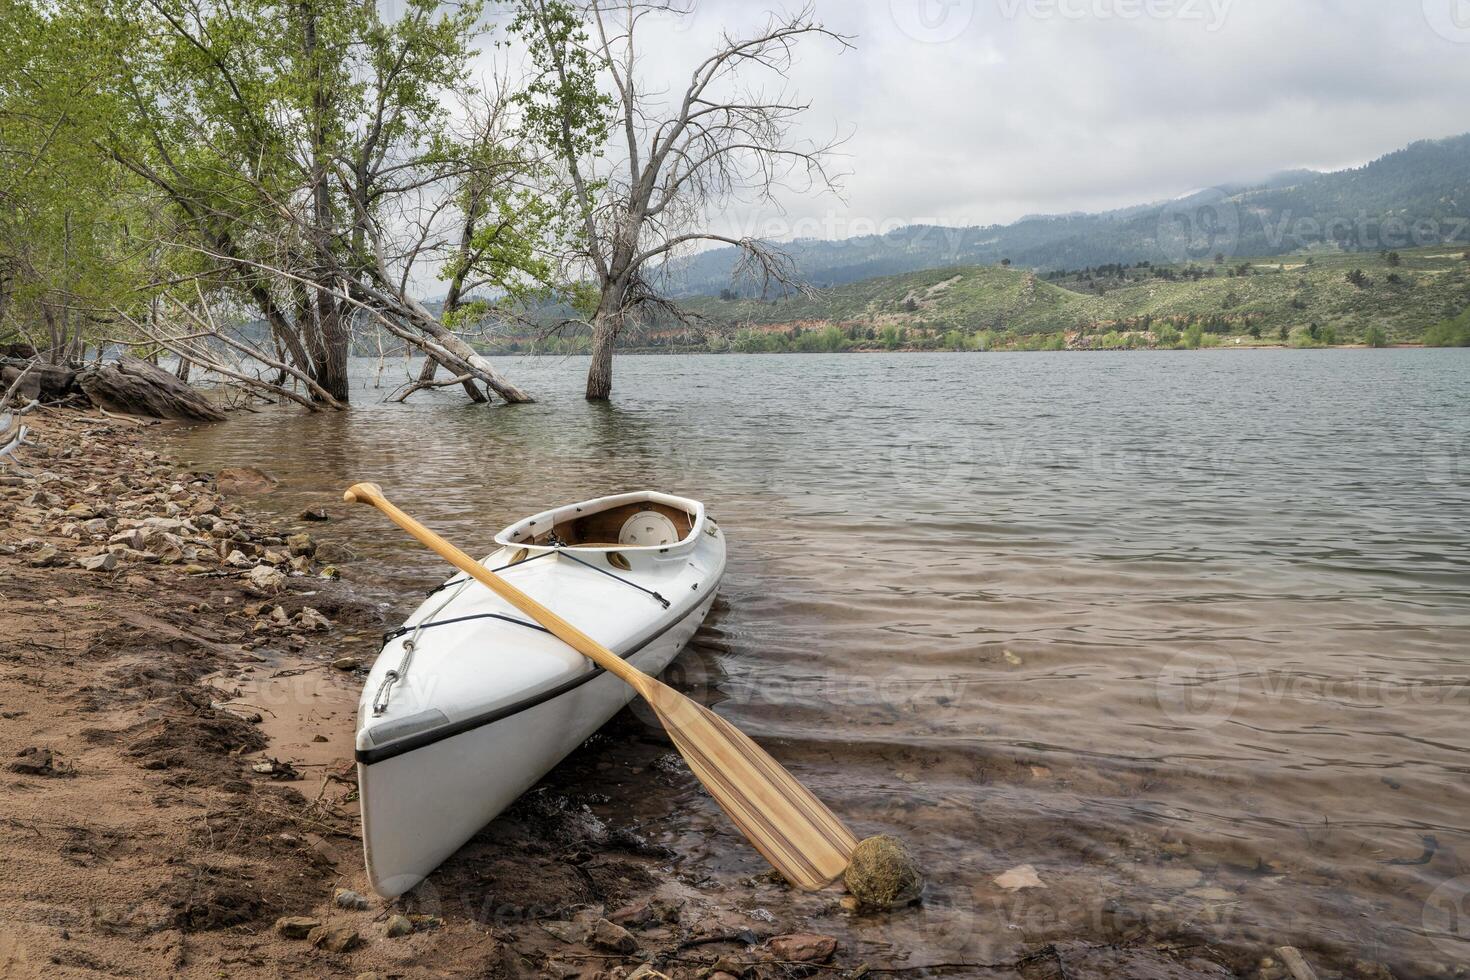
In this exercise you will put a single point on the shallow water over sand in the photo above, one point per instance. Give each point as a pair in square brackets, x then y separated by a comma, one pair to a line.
[1187, 632]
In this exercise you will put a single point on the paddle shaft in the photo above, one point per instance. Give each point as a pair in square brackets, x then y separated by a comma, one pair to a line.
[369, 493]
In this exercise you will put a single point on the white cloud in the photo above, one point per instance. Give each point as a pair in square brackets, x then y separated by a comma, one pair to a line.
[981, 111]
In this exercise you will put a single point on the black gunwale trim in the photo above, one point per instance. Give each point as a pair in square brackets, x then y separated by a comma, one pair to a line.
[403, 746]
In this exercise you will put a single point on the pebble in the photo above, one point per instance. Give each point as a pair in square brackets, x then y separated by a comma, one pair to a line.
[346, 898]
[802, 947]
[346, 663]
[297, 926]
[104, 562]
[335, 939]
[399, 925]
[612, 937]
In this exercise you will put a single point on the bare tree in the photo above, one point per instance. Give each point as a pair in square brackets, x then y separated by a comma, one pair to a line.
[674, 164]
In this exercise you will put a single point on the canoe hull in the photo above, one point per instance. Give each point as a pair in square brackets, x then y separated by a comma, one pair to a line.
[420, 807]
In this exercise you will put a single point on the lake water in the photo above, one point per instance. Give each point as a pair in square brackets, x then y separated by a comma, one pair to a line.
[1187, 632]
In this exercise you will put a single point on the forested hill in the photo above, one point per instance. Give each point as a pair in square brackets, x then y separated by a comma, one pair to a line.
[1416, 196]
[1419, 295]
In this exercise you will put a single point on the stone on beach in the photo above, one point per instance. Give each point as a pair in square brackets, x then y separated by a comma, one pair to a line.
[335, 939]
[612, 937]
[266, 579]
[802, 947]
[243, 481]
[346, 898]
[296, 926]
[104, 562]
[301, 545]
[398, 925]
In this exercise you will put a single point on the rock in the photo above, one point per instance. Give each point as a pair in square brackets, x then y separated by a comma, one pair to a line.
[297, 926]
[883, 874]
[97, 526]
[81, 512]
[309, 619]
[330, 572]
[399, 925]
[301, 545]
[139, 388]
[346, 898]
[632, 915]
[46, 556]
[33, 762]
[335, 939]
[422, 921]
[567, 932]
[646, 972]
[1019, 877]
[266, 579]
[346, 663]
[104, 562]
[237, 559]
[313, 514]
[612, 937]
[244, 481]
[802, 947]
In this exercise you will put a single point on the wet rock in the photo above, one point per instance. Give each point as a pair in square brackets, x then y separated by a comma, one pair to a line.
[883, 874]
[330, 572]
[612, 937]
[335, 939]
[399, 925]
[301, 545]
[33, 762]
[1020, 877]
[308, 618]
[104, 562]
[265, 579]
[297, 926]
[346, 663]
[346, 898]
[244, 481]
[567, 932]
[313, 514]
[802, 947]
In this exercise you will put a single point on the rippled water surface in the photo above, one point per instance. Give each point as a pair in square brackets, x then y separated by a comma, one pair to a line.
[1186, 632]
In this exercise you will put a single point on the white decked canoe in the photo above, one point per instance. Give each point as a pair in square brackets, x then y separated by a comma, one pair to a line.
[470, 703]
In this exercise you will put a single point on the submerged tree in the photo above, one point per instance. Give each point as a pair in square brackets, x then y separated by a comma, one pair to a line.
[645, 175]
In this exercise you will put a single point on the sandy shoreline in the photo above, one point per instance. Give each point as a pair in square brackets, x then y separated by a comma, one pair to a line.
[178, 778]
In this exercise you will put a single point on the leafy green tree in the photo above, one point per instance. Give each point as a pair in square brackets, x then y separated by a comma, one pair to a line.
[1374, 336]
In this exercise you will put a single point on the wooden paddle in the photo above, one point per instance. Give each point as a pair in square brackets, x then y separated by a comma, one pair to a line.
[791, 828]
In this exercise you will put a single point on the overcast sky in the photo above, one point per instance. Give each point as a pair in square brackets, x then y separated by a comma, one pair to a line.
[982, 111]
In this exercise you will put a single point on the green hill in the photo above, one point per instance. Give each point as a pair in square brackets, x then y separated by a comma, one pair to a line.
[1413, 197]
[1317, 297]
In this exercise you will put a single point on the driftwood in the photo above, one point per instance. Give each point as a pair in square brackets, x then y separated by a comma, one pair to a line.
[139, 388]
[48, 382]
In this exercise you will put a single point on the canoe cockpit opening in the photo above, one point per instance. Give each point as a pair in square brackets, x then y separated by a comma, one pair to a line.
[643, 524]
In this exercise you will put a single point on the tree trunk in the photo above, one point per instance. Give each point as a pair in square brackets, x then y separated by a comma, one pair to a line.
[607, 323]
[599, 372]
[336, 338]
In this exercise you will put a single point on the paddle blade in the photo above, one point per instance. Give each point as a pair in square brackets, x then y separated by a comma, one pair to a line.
[791, 828]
